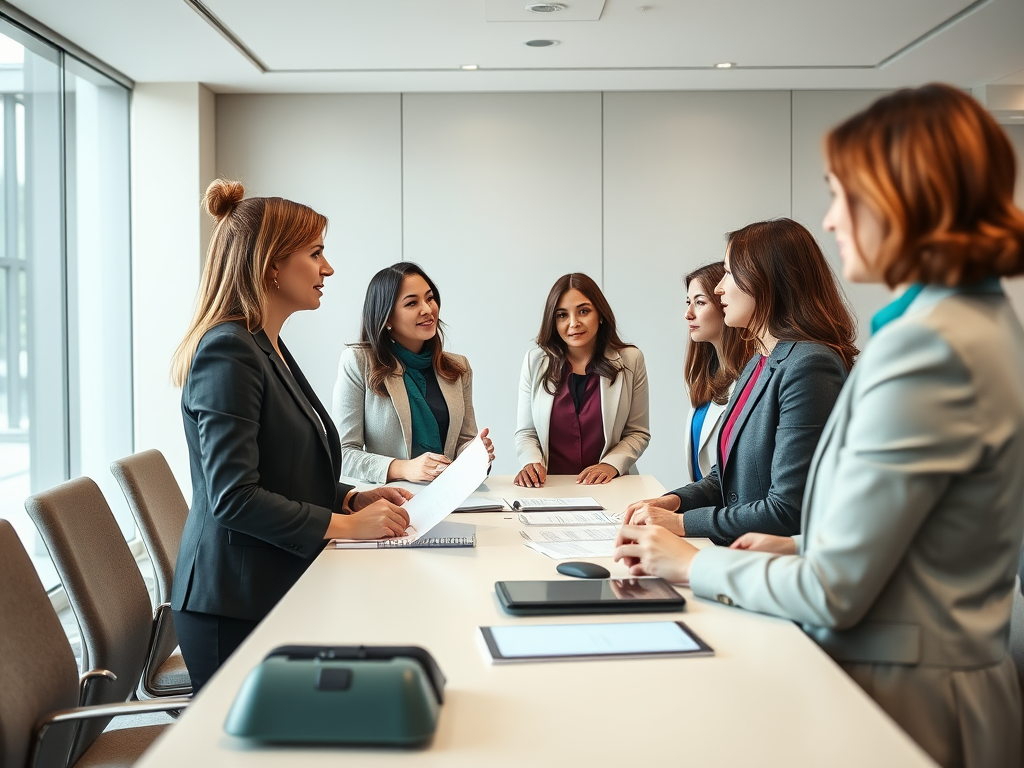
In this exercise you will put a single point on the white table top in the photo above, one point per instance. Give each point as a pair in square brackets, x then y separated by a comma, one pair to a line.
[769, 696]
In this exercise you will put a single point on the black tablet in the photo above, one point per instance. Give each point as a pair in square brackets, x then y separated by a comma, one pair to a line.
[532, 598]
[559, 642]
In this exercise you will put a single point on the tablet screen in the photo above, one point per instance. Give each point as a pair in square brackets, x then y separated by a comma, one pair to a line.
[598, 590]
[567, 641]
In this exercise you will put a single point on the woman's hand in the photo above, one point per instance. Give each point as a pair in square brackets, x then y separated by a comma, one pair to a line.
[487, 444]
[363, 499]
[422, 469]
[380, 519]
[598, 474]
[763, 542]
[650, 550]
[660, 511]
[531, 476]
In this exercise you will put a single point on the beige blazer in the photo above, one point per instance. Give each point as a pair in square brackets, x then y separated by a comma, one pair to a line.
[913, 521]
[377, 430]
[707, 447]
[624, 411]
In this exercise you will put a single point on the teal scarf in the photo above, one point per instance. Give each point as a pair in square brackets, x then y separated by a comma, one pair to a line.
[425, 435]
[895, 308]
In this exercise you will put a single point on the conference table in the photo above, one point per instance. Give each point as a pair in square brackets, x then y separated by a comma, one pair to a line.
[769, 696]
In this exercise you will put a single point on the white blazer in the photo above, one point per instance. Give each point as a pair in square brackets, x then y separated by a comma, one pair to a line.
[624, 411]
[707, 447]
[377, 430]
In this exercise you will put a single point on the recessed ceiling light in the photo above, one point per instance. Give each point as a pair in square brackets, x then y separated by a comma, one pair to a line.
[470, 67]
[545, 7]
[540, 43]
[725, 65]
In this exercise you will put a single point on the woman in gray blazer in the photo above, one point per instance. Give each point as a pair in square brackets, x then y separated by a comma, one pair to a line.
[913, 516]
[403, 406]
[583, 407]
[779, 288]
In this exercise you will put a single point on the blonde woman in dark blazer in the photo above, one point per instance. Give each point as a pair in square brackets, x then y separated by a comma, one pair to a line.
[583, 404]
[403, 406]
[912, 523]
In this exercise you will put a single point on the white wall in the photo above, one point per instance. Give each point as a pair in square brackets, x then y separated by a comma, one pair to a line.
[170, 155]
[496, 195]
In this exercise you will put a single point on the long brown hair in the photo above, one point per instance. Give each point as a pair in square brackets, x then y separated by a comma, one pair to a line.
[251, 235]
[552, 344]
[707, 376]
[939, 172]
[780, 265]
[381, 297]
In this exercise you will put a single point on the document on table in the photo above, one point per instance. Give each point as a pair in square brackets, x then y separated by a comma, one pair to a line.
[539, 505]
[579, 533]
[567, 550]
[440, 498]
[566, 518]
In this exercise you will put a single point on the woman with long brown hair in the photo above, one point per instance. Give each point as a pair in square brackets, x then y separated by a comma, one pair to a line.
[583, 405]
[265, 456]
[715, 357]
[906, 572]
[779, 289]
[402, 404]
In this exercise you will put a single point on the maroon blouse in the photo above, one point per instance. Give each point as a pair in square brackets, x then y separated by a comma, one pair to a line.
[575, 441]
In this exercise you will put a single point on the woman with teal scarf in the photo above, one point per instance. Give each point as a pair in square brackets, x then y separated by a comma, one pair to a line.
[403, 406]
[912, 518]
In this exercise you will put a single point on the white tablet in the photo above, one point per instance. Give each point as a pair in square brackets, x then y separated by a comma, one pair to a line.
[558, 642]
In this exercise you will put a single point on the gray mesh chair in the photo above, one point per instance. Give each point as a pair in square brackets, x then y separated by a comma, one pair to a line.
[39, 683]
[104, 585]
[160, 510]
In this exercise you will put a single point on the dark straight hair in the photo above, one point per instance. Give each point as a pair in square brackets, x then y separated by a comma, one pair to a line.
[552, 344]
[381, 297]
[779, 264]
[708, 376]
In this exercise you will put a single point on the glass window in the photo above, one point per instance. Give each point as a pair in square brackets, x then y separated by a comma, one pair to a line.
[65, 311]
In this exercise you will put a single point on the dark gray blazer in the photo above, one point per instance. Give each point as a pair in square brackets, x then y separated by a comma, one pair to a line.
[264, 476]
[761, 486]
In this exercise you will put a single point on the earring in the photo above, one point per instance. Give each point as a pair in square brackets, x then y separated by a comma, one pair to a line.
[276, 284]
[389, 327]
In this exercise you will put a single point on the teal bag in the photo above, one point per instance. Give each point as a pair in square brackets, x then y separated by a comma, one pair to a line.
[358, 695]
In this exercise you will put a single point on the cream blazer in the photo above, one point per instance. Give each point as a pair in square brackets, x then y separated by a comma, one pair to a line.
[624, 411]
[707, 447]
[377, 430]
[912, 525]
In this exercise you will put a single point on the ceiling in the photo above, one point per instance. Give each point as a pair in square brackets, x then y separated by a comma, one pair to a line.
[421, 45]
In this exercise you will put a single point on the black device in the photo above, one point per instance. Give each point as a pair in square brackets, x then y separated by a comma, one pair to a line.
[553, 598]
[583, 570]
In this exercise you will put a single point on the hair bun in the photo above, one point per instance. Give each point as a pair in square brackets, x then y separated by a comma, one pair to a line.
[221, 197]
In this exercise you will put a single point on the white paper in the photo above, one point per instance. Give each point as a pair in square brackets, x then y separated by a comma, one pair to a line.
[580, 502]
[566, 518]
[442, 495]
[481, 503]
[579, 533]
[568, 550]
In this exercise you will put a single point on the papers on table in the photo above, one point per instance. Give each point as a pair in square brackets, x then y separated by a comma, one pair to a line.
[566, 518]
[480, 504]
[452, 487]
[579, 533]
[538, 505]
[569, 550]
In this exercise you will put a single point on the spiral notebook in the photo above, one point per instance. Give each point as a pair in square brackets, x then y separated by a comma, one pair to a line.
[441, 535]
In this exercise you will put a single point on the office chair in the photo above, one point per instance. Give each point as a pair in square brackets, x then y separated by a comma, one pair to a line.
[39, 684]
[104, 585]
[160, 510]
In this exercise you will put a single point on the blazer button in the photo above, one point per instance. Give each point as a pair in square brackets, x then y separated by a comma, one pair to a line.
[724, 600]
[733, 497]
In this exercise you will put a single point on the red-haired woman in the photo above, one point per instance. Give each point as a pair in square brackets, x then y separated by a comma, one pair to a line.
[583, 407]
[780, 290]
[913, 522]
[714, 358]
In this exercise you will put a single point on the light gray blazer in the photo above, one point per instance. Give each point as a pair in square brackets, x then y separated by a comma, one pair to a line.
[624, 411]
[913, 518]
[376, 430]
[707, 446]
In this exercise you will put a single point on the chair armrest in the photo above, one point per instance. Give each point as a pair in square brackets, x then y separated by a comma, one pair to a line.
[77, 714]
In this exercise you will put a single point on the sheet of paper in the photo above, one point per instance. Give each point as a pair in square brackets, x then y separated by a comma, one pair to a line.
[579, 533]
[580, 502]
[566, 518]
[481, 504]
[568, 550]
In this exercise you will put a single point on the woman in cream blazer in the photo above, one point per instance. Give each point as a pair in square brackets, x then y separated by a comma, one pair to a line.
[593, 351]
[912, 518]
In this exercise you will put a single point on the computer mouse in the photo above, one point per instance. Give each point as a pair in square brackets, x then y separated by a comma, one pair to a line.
[583, 570]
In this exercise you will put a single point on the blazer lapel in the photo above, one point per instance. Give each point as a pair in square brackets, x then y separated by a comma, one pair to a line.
[395, 385]
[543, 402]
[291, 383]
[610, 399]
[452, 392]
[711, 417]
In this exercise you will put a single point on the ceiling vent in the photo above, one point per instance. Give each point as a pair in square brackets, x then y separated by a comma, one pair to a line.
[545, 7]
